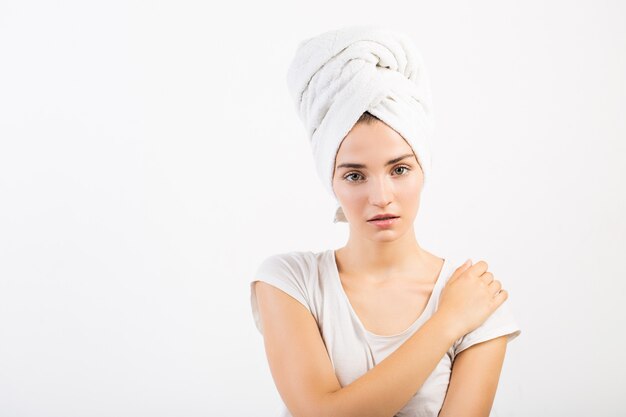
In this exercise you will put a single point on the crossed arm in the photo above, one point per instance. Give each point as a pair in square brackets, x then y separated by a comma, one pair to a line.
[474, 379]
[308, 385]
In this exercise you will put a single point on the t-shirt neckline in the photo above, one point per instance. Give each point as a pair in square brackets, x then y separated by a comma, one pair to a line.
[344, 296]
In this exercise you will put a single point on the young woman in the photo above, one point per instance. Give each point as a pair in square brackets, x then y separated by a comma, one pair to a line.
[379, 327]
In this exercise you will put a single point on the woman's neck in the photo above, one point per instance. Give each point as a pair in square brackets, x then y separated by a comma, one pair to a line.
[382, 260]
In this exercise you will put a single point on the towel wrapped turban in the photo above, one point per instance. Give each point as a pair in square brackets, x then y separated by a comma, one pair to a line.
[338, 75]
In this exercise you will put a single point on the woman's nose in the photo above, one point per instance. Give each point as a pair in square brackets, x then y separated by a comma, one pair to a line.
[381, 193]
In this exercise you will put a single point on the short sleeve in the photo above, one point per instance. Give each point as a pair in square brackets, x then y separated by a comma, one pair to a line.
[286, 272]
[500, 323]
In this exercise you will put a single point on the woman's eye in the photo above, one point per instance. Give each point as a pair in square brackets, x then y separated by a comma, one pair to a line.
[351, 175]
[402, 167]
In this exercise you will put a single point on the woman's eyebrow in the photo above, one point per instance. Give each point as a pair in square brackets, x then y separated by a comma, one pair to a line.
[393, 161]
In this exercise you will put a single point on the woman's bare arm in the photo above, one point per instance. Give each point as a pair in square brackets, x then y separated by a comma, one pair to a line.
[304, 375]
[474, 380]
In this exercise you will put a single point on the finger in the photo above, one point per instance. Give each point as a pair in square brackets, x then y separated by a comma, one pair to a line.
[479, 268]
[487, 277]
[462, 268]
[501, 297]
[495, 287]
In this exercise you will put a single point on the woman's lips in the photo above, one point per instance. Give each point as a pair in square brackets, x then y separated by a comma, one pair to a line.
[384, 223]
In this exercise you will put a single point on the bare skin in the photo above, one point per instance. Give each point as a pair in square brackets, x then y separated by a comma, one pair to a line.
[381, 264]
[389, 306]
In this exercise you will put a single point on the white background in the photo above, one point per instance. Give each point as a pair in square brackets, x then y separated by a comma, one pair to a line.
[150, 158]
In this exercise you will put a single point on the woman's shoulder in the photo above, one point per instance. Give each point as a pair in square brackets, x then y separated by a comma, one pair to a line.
[298, 263]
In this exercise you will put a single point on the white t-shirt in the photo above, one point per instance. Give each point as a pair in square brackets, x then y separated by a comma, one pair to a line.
[312, 278]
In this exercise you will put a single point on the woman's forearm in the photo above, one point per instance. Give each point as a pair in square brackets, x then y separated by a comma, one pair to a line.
[386, 388]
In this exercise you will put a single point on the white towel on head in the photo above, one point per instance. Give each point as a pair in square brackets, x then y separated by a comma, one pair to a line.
[338, 75]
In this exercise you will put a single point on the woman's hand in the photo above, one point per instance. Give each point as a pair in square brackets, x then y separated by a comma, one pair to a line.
[469, 297]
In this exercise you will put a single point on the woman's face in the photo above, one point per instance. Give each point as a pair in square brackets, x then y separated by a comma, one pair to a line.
[367, 183]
